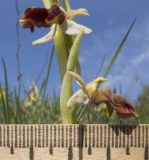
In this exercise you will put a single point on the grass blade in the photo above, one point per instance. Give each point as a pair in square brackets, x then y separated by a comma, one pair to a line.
[45, 82]
[101, 66]
[7, 92]
[118, 50]
[18, 108]
[4, 109]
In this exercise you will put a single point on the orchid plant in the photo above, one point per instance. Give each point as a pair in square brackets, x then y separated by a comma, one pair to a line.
[67, 35]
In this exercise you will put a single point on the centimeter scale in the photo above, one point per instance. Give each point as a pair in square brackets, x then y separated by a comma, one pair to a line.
[74, 142]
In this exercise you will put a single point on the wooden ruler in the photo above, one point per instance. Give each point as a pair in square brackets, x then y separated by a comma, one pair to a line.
[74, 142]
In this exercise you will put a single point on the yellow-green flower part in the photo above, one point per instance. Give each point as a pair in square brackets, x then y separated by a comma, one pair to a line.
[87, 93]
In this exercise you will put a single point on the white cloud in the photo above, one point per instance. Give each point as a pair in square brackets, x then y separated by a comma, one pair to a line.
[144, 56]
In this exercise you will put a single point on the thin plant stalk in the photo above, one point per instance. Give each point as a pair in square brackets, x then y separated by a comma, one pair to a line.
[45, 82]
[118, 51]
[8, 108]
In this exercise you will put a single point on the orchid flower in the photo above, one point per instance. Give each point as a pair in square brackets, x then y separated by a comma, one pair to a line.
[89, 93]
[55, 15]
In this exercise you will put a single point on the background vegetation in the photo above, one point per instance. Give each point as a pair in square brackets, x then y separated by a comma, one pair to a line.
[36, 106]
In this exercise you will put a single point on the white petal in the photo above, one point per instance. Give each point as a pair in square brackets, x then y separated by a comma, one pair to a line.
[78, 98]
[83, 11]
[73, 28]
[45, 38]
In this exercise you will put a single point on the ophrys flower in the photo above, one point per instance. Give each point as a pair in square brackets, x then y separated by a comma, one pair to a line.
[89, 93]
[55, 15]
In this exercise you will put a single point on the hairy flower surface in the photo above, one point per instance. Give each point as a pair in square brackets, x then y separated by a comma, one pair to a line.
[121, 105]
[55, 15]
[90, 94]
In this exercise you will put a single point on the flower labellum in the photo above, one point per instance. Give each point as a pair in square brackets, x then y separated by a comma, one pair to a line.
[78, 98]
[121, 105]
[42, 17]
[90, 93]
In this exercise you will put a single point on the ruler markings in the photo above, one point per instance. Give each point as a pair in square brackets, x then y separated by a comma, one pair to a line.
[4, 136]
[54, 135]
[116, 136]
[62, 136]
[120, 136]
[135, 137]
[8, 137]
[101, 136]
[124, 136]
[112, 135]
[66, 129]
[143, 140]
[147, 135]
[43, 136]
[72, 136]
[139, 136]
[131, 137]
[47, 136]
[93, 135]
[97, 136]
[0, 136]
[58, 136]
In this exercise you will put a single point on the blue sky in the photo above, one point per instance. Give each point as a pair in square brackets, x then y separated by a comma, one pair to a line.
[109, 21]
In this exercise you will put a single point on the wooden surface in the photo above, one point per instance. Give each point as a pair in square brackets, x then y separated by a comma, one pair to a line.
[74, 142]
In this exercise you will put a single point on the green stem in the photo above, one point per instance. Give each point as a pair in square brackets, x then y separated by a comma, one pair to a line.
[62, 51]
[68, 115]
[66, 92]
